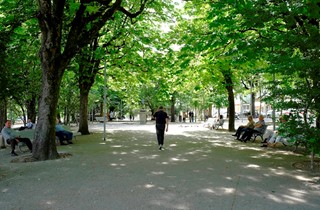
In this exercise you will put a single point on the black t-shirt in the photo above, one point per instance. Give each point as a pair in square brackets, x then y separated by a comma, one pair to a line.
[161, 117]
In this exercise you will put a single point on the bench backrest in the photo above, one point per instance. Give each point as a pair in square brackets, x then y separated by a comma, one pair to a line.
[264, 129]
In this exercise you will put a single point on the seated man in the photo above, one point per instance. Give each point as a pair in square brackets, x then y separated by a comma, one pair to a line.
[275, 138]
[63, 134]
[258, 127]
[12, 139]
[242, 128]
[29, 125]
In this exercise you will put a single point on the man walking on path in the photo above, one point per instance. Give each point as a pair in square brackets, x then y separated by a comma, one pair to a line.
[162, 123]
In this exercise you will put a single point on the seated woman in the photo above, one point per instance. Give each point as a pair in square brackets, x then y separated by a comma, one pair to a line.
[63, 134]
[242, 128]
[219, 122]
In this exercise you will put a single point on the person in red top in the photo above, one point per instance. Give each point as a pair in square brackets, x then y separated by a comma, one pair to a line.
[162, 124]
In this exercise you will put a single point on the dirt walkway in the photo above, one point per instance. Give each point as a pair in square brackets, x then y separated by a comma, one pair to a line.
[199, 169]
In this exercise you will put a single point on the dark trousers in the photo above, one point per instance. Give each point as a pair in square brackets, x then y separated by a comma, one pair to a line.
[160, 133]
[13, 143]
[248, 134]
[64, 135]
[239, 131]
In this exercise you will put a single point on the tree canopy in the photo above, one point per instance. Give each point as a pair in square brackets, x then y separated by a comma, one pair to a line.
[180, 54]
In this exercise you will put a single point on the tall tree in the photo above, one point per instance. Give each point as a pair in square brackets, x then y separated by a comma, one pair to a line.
[59, 45]
[16, 48]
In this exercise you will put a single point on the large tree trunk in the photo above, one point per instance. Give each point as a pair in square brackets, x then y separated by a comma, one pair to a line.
[229, 87]
[44, 146]
[88, 69]
[31, 109]
[53, 67]
[83, 121]
[54, 62]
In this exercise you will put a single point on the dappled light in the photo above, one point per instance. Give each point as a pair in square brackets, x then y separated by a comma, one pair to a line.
[218, 191]
[301, 178]
[174, 159]
[50, 202]
[148, 186]
[157, 172]
[116, 146]
[150, 157]
[195, 163]
[252, 166]
[103, 68]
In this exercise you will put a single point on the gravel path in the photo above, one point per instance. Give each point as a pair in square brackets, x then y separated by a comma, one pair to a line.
[199, 169]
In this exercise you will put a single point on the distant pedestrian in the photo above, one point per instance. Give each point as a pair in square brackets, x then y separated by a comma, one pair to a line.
[184, 117]
[191, 116]
[162, 124]
[131, 116]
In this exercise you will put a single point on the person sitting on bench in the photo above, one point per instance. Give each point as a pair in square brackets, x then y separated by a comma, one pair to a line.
[242, 128]
[258, 127]
[29, 125]
[63, 134]
[12, 139]
[276, 137]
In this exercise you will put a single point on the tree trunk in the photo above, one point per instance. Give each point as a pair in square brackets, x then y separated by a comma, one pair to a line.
[88, 69]
[83, 121]
[229, 87]
[54, 62]
[173, 101]
[31, 109]
[53, 66]
[253, 106]
[3, 112]
[44, 146]
[3, 118]
[210, 110]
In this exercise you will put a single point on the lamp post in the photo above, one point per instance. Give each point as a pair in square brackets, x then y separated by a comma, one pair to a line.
[104, 99]
[273, 103]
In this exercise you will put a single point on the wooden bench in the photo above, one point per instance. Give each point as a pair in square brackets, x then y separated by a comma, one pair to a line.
[21, 145]
[212, 123]
[26, 133]
[74, 134]
[100, 119]
[29, 133]
[219, 124]
[260, 134]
